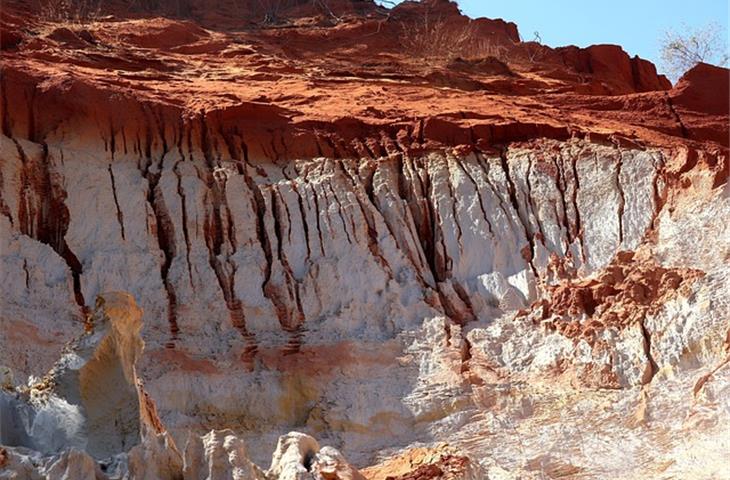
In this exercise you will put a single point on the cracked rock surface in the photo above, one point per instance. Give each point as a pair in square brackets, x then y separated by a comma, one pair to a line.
[442, 268]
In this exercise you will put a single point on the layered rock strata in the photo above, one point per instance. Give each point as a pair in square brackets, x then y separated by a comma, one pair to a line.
[524, 257]
[90, 417]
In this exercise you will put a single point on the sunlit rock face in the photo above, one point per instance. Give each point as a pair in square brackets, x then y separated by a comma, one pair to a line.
[445, 268]
[375, 303]
[90, 417]
[89, 398]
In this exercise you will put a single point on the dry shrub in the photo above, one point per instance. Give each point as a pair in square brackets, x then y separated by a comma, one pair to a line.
[273, 11]
[432, 37]
[534, 50]
[270, 11]
[682, 50]
[71, 11]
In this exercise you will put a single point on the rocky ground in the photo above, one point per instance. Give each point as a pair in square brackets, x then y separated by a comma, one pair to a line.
[441, 250]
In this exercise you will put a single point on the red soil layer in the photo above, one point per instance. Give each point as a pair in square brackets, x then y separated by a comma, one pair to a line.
[449, 467]
[352, 80]
[623, 294]
[440, 463]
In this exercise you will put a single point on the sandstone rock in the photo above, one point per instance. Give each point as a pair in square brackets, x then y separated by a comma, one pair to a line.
[90, 397]
[218, 455]
[521, 251]
[299, 457]
[440, 462]
[18, 462]
[93, 399]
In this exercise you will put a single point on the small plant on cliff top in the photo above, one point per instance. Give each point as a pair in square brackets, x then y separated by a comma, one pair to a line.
[70, 11]
[682, 51]
[433, 37]
[272, 11]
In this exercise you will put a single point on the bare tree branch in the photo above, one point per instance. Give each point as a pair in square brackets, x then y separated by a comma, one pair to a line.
[682, 51]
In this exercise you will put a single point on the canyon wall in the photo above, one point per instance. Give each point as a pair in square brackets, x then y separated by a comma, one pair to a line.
[537, 280]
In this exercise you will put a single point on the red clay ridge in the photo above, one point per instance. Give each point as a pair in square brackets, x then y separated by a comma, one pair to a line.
[352, 80]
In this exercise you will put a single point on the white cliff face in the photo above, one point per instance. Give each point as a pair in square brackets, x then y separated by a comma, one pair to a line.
[89, 399]
[218, 455]
[299, 457]
[90, 417]
[370, 303]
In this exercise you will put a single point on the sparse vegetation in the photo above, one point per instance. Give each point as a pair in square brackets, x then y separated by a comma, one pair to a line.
[71, 11]
[272, 12]
[534, 48]
[682, 51]
[431, 37]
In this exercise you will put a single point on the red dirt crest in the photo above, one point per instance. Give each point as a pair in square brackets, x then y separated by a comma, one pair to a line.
[336, 78]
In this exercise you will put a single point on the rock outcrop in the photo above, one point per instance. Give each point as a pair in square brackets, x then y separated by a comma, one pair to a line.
[387, 229]
[90, 417]
[439, 462]
[90, 399]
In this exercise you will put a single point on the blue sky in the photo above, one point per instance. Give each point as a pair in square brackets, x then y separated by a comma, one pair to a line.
[637, 25]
